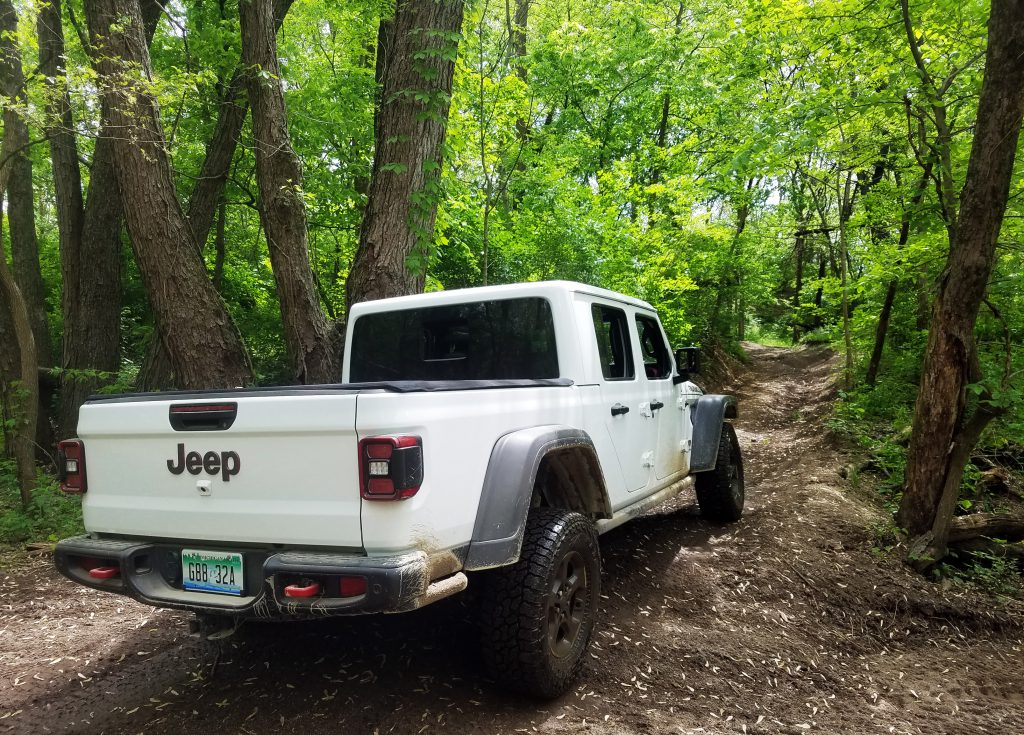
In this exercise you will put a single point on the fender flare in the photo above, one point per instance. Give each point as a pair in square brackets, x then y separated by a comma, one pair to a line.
[508, 489]
[707, 415]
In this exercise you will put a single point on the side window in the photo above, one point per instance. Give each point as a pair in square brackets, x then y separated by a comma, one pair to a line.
[613, 346]
[657, 364]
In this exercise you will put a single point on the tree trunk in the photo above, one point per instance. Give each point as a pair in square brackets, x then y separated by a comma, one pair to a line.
[205, 347]
[26, 413]
[21, 212]
[409, 130]
[312, 342]
[9, 357]
[11, 300]
[798, 253]
[67, 188]
[517, 40]
[882, 328]
[933, 460]
[220, 150]
[220, 246]
[845, 208]
[24, 245]
[208, 195]
[92, 303]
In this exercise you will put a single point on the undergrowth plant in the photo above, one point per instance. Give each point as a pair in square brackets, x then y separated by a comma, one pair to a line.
[50, 516]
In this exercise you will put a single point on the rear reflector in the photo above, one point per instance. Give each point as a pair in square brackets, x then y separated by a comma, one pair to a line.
[71, 466]
[352, 586]
[390, 467]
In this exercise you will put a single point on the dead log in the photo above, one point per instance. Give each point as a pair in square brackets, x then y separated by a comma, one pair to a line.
[989, 525]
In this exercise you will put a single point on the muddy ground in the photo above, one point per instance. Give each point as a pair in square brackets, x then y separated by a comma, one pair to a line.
[787, 622]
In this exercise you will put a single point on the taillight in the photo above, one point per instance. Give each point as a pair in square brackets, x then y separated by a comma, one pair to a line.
[71, 466]
[390, 467]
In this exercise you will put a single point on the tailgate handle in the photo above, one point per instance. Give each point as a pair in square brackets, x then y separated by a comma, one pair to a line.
[203, 416]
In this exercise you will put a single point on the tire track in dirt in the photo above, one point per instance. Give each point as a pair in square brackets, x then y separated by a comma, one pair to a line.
[786, 622]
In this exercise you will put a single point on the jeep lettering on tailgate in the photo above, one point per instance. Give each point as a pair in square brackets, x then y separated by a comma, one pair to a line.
[226, 463]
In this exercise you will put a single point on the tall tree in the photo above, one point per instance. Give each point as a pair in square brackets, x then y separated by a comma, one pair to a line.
[416, 64]
[945, 430]
[313, 345]
[11, 298]
[21, 208]
[89, 231]
[203, 343]
[207, 197]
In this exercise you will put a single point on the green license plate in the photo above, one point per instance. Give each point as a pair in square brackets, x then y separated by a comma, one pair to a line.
[212, 571]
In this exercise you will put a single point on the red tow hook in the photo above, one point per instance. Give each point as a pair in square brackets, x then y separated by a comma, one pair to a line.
[297, 590]
[104, 572]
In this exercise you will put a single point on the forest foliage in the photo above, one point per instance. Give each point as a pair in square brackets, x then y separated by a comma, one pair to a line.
[774, 170]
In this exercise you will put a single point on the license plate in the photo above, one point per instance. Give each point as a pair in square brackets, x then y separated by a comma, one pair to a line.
[212, 571]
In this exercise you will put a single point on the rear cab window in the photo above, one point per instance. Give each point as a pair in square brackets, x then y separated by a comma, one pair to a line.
[503, 339]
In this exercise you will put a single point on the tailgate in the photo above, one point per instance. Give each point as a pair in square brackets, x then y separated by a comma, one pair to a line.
[283, 472]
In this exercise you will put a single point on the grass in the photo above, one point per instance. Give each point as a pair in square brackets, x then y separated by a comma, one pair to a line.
[759, 334]
[51, 515]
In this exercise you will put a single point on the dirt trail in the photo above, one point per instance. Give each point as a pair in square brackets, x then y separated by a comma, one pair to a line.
[786, 622]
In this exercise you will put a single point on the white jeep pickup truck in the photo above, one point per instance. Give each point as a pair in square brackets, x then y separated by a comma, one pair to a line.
[482, 436]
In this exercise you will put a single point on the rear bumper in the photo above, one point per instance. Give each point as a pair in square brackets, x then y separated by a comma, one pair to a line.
[151, 573]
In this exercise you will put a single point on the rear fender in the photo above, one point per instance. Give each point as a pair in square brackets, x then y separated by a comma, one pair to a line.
[509, 484]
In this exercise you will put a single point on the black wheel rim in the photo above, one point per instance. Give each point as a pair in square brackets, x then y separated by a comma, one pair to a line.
[567, 604]
[735, 482]
[735, 472]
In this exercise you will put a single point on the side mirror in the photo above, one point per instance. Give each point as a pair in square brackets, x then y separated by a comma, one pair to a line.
[687, 363]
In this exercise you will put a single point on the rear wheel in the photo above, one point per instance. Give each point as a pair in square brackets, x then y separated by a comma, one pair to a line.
[539, 613]
[720, 492]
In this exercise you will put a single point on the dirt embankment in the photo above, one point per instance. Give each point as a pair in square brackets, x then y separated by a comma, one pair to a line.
[786, 622]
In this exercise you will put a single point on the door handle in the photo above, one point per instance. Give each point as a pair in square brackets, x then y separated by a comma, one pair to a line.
[618, 409]
[655, 405]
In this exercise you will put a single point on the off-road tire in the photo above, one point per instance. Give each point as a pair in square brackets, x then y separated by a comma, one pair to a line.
[720, 492]
[535, 622]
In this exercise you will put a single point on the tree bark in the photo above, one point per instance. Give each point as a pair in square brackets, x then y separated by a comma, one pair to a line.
[11, 299]
[992, 525]
[798, 254]
[92, 295]
[220, 150]
[24, 245]
[882, 328]
[207, 197]
[312, 342]
[26, 413]
[845, 210]
[409, 131]
[941, 427]
[204, 345]
[220, 246]
[21, 210]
